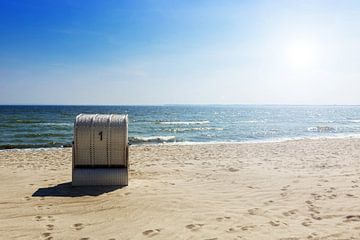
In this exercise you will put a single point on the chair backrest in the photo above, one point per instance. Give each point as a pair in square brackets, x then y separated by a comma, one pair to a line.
[100, 140]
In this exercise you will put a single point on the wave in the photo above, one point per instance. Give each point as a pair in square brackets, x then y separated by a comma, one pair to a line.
[8, 125]
[270, 140]
[183, 122]
[193, 129]
[36, 123]
[354, 121]
[152, 139]
[39, 135]
[325, 121]
[321, 129]
[44, 145]
[172, 140]
[27, 121]
[251, 121]
[57, 124]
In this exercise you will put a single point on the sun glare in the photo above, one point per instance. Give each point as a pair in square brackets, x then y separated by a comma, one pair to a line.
[302, 54]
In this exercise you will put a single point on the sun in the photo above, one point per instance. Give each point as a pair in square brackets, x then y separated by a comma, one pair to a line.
[301, 54]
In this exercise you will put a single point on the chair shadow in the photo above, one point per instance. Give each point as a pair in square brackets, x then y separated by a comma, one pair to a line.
[67, 190]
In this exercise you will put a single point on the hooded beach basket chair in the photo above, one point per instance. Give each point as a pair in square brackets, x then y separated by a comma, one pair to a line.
[100, 150]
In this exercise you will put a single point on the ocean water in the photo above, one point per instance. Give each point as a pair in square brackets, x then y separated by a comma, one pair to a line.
[52, 126]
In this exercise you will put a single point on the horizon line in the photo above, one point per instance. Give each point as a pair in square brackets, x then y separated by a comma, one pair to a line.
[184, 104]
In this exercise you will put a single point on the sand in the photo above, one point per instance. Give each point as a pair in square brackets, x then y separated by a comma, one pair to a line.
[304, 189]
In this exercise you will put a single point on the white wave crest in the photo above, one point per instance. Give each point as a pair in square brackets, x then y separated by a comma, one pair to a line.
[184, 122]
[56, 124]
[355, 121]
[194, 129]
[152, 139]
[321, 129]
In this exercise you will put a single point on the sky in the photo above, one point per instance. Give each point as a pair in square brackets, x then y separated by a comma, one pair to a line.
[179, 52]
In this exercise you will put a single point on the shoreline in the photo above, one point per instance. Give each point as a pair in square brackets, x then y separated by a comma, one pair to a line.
[185, 143]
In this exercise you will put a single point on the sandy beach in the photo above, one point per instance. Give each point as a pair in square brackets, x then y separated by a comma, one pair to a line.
[303, 189]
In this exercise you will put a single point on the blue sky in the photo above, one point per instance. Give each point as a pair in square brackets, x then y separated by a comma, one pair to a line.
[179, 52]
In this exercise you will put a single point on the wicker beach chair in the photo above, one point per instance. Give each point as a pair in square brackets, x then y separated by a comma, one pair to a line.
[100, 150]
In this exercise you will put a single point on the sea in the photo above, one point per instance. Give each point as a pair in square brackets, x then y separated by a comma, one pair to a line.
[52, 126]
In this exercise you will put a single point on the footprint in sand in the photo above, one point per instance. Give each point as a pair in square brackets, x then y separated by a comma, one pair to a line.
[27, 198]
[78, 226]
[290, 238]
[38, 218]
[330, 190]
[290, 213]
[315, 217]
[316, 196]
[352, 218]
[50, 227]
[283, 194]
[276, 223]
[239, 227]
[151, 232]
[231, 230]
[233, 169]
[312, 236]
[248, 227]
[194, 227]
[268, 202]
[332, 196]
[254, 211]
[314, 209]
[47, 235]
[307, 222]
[220, 219]
[284, 190]
[350, 195]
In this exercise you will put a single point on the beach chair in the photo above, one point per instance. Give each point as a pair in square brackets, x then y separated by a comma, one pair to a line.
[100, 150]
